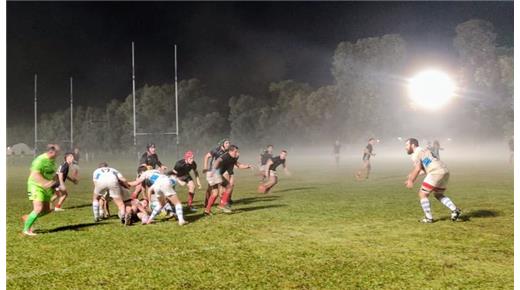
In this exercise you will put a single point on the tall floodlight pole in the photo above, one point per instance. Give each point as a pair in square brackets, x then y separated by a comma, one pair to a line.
[35, 113]
[71, 118]
[176, 101]
[133, 90]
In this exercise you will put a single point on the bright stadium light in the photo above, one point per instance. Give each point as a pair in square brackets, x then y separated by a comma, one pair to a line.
[431, 89]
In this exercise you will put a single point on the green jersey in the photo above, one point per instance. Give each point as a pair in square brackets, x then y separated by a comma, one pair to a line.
[45, 166]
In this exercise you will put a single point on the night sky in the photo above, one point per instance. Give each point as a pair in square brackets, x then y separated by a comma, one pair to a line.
[233, 48]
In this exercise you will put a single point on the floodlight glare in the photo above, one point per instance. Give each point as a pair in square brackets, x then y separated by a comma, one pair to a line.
[431, 89]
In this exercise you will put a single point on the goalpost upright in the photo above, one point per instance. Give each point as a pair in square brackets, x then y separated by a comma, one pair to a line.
[135, 133]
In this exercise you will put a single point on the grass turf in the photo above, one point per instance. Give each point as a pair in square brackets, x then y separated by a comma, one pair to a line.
[314, 231]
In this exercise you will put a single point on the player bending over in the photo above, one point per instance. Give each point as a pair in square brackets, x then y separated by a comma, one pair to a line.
[437, 176]
[270, 171]
[60, 191]
[107, 179]
[266, 155]
[164, 190]
[182, 170]
[40, 186]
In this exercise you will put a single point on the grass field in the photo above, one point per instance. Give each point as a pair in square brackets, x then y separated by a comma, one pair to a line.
[316, 230]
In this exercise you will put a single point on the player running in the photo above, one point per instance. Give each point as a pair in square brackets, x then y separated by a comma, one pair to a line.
[437, 176]
[60, 191]
[107, 179]
[270, 171]
[224, 164]
[40, 186]
[182, 169]
[209, 158]
[263, 158]
[364, 172]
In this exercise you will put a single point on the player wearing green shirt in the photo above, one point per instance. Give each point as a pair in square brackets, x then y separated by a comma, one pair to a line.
[40, 186]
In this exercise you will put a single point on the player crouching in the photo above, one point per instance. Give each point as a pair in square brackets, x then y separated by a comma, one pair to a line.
[270, 171]
[109, 180]
[437, 176]
[182, 169]
[163, 188]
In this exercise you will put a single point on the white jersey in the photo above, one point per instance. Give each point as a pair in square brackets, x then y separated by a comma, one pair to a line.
[106, 173]
[164, 186]
[150, 176]
[430, 163]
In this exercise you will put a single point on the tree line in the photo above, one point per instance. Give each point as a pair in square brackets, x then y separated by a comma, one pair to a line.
[365, 99]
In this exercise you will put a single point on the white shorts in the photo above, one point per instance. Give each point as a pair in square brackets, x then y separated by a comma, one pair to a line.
[163, 187]
[110, 185]
[435, 182]
[215, 179]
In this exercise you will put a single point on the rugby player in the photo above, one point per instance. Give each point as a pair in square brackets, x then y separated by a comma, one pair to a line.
[145, 179]
[270, 170]
[107, 179]
[150, 160]
[364, 172]
[263, 158]
[226, 164]
[136, 211]
[182, 169]
[40, 186]
[209, 158]
[437, 176]
[336, 151]
[163, 188]
[75, 164]
[60, 191]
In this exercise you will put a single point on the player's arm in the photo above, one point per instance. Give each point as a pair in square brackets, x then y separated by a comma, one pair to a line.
[38, 177]
[413, 174]
[285, 169]
[61, 181]
[267, 165]
[138, 181]
[206, 163]
[196, 172]
[242, 165]
[216, 165]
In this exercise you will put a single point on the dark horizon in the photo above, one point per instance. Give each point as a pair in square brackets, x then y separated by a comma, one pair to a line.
[233, 48]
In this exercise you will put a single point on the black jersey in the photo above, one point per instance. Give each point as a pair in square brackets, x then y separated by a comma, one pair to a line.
[183, 168]
[366, 156]
[265, 156]
[64, 169]
[215, 154]
[150, 160]
[277, 161]
[227, 163]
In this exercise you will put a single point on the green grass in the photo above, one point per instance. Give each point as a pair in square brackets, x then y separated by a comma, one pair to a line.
[314, 231]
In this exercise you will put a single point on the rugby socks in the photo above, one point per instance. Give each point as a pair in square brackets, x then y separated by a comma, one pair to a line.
[425, 204]
[30, 221]
[190, 198]
[225, 198]
[95, 209]
[156, 211]
[168, 207]
[211, 201]
[448, 203]
[178, 210]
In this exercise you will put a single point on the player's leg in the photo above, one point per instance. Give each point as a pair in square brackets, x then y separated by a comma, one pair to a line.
[440, 182]
[368, 168]
[227, 188]
[63, 194]
[161, 202]
[172, 198]
[212, 198]
[191, 195]
[41, 206]
[424, 193]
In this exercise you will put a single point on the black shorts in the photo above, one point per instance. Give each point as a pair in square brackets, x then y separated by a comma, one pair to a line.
[185, 178]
